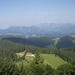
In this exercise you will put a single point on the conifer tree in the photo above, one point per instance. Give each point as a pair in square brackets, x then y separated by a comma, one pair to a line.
[38, 59]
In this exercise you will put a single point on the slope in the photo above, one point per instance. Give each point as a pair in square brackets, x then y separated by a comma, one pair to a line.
[50, 59]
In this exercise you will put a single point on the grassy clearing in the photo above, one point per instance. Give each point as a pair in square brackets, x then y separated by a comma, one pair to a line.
[50, 59]
[53, 60]
[20, 54]
[27, 60]
[53, 46]
[73, 41]
[56, 40]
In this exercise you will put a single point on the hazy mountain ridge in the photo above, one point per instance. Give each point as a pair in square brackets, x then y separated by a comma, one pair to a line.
[47, 29]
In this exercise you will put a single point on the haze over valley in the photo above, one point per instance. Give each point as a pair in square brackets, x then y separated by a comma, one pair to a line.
[54, 30]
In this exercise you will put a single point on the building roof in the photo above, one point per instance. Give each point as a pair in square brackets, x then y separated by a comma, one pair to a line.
[28, 53]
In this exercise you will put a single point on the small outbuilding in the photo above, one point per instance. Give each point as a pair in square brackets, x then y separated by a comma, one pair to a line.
[29, 54]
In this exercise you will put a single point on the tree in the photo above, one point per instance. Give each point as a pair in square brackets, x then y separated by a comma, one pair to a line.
[23, 69]
[7, 67]
[48, 70]
[38, 59]
[39, 68]
[66, 69]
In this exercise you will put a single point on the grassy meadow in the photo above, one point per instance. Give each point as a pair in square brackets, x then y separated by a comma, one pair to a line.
[53, 60]
[50, 59]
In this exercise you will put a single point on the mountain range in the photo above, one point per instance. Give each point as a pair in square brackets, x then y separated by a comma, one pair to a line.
[41, 30]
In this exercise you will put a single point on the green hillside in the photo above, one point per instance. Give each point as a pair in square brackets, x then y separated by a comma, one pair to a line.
[50, 59]
[43, 42]
[53, 60]
[55, 42]
[39, 42]
[8, 44]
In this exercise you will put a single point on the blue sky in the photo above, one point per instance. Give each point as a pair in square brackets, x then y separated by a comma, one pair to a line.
[31, 12]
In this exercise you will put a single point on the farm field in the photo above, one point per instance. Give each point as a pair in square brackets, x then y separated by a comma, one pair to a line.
[50, 59]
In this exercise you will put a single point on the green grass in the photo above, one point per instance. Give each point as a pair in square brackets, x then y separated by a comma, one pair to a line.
[53, 60]
[53, 46]
[20, 54]
[27, 60]
[73, 41]
[56, 40]
[50, 59]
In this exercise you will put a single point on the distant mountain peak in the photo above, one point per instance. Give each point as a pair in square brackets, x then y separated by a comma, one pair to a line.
[45, 29]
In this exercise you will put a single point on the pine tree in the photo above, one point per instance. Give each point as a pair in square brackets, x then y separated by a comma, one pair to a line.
[38, 59]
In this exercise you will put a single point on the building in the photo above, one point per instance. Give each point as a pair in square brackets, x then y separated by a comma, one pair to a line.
[29, 54]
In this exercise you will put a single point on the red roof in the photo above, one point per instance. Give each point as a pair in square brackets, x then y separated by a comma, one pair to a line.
[28, 53]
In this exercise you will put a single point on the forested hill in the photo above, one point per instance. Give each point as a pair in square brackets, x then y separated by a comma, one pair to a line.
[8, 45]
[64, 42]
[40, 42]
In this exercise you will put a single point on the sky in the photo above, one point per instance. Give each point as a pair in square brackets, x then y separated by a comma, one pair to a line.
[32, 12]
